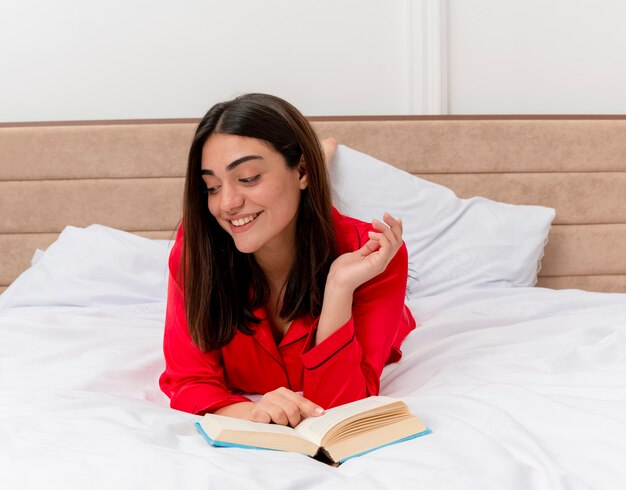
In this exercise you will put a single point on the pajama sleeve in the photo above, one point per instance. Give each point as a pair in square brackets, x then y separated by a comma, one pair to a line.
[193, 380]
[347, 365]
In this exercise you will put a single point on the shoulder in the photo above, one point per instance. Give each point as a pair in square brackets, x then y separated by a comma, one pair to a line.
[350, 233]
[176, 252]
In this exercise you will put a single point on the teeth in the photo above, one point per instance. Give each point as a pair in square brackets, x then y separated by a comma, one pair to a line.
[243, 221]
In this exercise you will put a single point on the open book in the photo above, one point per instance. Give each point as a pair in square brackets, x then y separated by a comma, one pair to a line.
[340, 433]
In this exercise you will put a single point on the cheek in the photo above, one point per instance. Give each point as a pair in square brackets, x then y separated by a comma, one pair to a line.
[284, 199]
[288, 189]
[267, 195]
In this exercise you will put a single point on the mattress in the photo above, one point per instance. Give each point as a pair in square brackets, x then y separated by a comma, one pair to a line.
[522, 387]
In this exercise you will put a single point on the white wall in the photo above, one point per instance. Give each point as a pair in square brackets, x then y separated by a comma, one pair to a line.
[80, 59]
[124, 59]
[537, 56]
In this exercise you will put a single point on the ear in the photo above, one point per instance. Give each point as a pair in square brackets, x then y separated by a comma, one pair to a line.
[303, 178]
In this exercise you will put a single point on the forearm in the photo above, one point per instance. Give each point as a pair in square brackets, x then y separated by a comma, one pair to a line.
[239, 410]
[336, 311]
[336, 350]
[347, 364]
[337, 374]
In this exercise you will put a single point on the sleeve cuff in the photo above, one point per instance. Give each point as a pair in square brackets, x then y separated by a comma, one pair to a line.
[314, 356]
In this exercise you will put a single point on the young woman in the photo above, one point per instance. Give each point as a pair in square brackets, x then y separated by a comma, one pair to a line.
[272, 291]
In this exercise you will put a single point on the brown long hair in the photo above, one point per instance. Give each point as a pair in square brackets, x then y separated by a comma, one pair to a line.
[223, 286]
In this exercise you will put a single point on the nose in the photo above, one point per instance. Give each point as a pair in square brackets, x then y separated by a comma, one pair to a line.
[231, 198]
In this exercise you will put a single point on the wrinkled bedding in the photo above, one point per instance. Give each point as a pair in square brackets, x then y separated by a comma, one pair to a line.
[523, 388]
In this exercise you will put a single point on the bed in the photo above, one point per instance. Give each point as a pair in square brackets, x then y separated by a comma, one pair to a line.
[515, 228]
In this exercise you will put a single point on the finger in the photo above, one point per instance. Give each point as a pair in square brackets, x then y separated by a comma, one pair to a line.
[292, 411]
[377, 256]
[388, 232]
[390, 229]
[394, 224]
[305, 406]
[384, 253]
[393, 230]
[372, 245]
[308, 408]
[389, 219]
[379, 225]
[386, 243]
[374, 239]
[276, 413]
[273, 403]
[257, 414]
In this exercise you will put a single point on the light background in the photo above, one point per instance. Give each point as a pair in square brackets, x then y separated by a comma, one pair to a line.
[135, 59]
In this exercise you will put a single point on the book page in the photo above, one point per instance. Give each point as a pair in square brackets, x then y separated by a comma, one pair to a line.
[314, 428]
[214, 424]
[375, 438]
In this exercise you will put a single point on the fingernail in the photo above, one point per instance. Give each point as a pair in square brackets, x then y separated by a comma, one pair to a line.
[319, 411]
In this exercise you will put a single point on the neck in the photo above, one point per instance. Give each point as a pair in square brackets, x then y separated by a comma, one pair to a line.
[277, 257]
[276, 266]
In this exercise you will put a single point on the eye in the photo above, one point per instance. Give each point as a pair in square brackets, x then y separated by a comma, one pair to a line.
[207, 191]
[250, 180]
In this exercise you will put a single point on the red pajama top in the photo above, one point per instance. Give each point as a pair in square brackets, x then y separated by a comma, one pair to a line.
[344, 367]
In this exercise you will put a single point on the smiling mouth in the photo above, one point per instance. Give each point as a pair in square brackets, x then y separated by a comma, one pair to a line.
[244, 221]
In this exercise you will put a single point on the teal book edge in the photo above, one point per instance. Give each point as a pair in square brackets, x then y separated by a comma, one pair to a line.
[215, 443]
[408, 438]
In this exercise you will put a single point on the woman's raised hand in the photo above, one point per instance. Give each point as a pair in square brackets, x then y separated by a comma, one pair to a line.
[352, 269]
[284, 407]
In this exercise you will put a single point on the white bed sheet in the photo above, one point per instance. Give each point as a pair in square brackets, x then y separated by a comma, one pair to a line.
[524, 388]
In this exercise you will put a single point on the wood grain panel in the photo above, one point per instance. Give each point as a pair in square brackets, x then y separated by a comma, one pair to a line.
[130, 204]
[443, 145]
[478, 146]
[32, 206]
[579, 198]
[17, 251]
[606, 284]
[575, 250]
[129, 176]
[106, 151]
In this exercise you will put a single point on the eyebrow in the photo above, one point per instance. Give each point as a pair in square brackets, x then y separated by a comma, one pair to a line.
[233, 165]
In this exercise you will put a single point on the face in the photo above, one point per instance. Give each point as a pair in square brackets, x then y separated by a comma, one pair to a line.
[252, 193]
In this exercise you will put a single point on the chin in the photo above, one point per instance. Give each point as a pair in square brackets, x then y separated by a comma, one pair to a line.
[245, 248]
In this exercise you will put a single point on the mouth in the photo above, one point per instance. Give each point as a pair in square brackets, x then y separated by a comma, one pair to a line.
[237, 223]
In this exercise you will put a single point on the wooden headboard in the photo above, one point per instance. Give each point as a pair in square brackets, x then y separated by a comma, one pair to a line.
[129, 175]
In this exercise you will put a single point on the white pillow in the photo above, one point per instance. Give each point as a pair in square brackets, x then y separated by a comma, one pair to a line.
[452, 242]
[93, 266]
